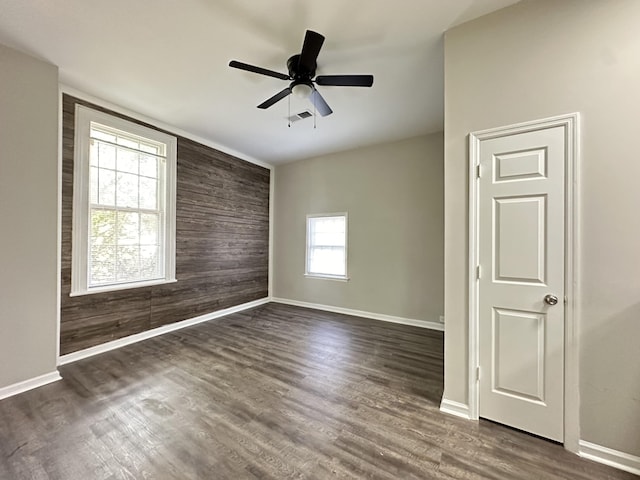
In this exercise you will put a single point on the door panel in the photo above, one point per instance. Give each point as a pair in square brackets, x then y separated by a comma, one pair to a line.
[528, 164]
[521, 256]
[520, 246]
[518, 339]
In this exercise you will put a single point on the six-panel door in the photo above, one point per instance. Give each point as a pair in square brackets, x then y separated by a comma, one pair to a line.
[521, 252]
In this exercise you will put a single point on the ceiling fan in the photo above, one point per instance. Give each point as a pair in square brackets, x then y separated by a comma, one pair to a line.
[302, 70]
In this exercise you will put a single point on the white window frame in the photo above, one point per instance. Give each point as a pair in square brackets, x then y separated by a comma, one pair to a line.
[84, 116]
[309, 274]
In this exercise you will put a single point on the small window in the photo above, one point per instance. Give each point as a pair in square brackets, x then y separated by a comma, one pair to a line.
[327, 246]
[123, 204]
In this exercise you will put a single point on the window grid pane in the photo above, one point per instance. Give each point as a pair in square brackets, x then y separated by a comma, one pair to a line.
[326, 245]
[117, 137]
[125, 240]
[327, 260]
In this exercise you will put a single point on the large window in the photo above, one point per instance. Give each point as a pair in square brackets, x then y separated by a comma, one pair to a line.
[327, 246]
[123, 204]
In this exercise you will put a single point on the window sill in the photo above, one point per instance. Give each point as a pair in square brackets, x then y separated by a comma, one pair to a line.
[339, 278]
[126, 286]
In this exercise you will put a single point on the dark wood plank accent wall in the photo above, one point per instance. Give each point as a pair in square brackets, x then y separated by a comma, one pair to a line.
[222, 246]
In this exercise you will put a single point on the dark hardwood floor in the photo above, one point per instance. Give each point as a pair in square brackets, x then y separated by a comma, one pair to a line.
[277, 392]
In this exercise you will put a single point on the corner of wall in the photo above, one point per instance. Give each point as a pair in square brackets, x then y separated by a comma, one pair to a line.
[607, 456]
[455, 408]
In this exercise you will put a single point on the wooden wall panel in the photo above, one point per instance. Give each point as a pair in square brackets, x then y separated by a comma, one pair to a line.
[222, 246]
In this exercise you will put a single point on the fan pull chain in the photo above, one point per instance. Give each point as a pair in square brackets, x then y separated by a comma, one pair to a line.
[289, 116]
[314, 112]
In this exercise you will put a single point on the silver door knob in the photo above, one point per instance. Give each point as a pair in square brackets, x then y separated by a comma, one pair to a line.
[550, 299]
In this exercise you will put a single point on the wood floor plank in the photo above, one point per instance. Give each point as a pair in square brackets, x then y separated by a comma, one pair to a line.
[276, 392]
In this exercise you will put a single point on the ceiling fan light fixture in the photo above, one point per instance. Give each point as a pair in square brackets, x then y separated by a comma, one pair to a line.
[301, 90]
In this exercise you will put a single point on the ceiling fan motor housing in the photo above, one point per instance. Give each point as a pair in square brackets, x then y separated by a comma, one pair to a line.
[296, 71]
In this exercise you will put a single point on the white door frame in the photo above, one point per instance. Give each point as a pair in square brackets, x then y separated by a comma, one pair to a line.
[570, 122]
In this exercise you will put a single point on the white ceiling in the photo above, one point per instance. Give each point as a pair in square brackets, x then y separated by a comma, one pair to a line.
[167, 59]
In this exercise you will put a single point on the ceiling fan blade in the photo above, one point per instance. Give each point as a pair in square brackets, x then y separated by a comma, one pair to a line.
[276, 98]
[345, 80]
[310, 49]
[260, 70]
[320, 104]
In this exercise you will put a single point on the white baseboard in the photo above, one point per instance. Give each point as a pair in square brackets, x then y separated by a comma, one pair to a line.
[613, 458]
[455, 408]
[30, 384]
[121, 342]
[360, 313]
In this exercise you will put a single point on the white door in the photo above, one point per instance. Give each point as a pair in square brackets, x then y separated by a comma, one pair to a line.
[521, 248]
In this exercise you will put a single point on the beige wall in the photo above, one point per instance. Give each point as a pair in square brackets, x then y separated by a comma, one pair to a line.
[28, 216]
[393, 194]
[538, 59]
